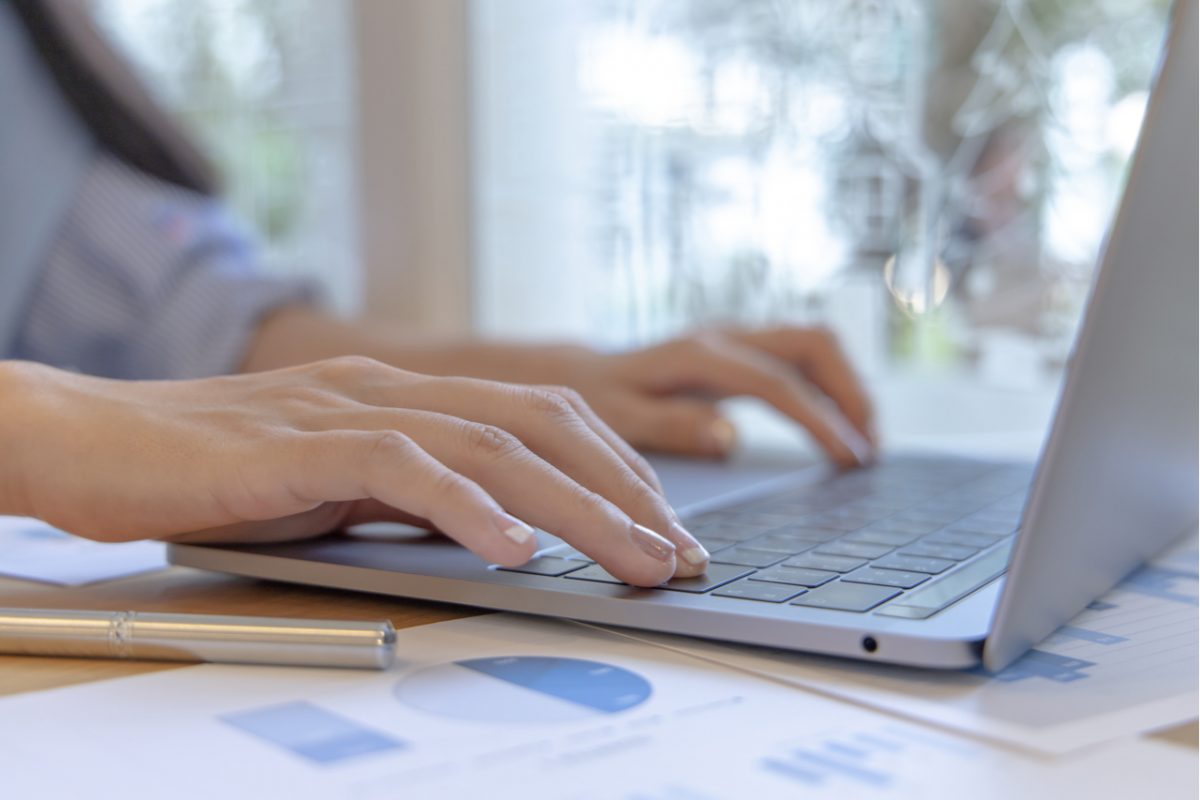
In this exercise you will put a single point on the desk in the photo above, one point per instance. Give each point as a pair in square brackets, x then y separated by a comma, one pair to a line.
[183, 590]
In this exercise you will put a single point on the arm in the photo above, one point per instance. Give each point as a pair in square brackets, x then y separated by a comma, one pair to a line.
[659, 398]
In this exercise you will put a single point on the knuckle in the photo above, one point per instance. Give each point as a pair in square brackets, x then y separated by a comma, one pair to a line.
[343, 368]
[549, 403]
[387, 445]
[587, 502]
[488, 441]
[570, 395]
[446, 484]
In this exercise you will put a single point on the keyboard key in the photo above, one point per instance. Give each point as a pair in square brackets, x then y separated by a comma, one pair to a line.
[831, 522]
[904, 526]
[887, 577]
[747, 557]
[979, 540]
[843, 596]
[715, 575]
[747, 589]
[931, 566]
[932, 516]
[831, 563]
[781, 543]
[713, 543]
[893, 538]
[805, 533]
[993, 527]
[796, 576]
[571, 554]
[726, 530]
[954, 552]
[547, 565]
[854, 549]
[593, 573]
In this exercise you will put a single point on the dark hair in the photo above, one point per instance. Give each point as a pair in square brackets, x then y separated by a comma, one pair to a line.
[114, 125]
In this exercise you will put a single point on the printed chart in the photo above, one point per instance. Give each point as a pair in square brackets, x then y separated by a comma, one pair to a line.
[539, 689]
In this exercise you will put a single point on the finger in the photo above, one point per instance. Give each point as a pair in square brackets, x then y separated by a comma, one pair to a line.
[729, 368]
[390, 467]
[817, 353]
[549, 423]
[681, 426]
[469, 398]
[602, 429]
[535, 491]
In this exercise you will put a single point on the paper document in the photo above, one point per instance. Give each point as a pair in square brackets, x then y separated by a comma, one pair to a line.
[1127, 664]
[509, 707]
[32, 550]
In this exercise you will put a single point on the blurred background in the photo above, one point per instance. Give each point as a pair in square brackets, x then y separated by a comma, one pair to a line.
[930, 179]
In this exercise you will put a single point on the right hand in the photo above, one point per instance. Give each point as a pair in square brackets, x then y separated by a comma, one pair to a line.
[298, 452]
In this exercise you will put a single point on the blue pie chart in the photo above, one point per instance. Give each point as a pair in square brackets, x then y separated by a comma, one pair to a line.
[532, 689]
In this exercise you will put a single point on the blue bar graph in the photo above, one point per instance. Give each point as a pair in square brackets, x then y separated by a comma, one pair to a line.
[1040, 664]
[828, 759]
[311, 732]
[1095, 637]
[1166, 584]
[816, 768]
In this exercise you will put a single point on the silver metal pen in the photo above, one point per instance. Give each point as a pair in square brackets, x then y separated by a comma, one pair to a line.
[197, 637]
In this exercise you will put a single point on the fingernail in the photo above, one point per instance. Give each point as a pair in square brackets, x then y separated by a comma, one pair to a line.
[514, 529]
[718, 437]
[858, 446]
[651, 543]
[693, 552]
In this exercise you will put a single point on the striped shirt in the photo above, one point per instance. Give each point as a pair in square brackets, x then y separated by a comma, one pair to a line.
[103, 268]
[147, 280]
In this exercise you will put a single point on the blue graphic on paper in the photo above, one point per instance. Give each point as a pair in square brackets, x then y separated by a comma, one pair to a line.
[854, 757]
[846, 757]
[1040, 664]
[1163, 583]
[312, 733]
[592, 684]
[1095, 637]
[815, 768]
[1100, 605]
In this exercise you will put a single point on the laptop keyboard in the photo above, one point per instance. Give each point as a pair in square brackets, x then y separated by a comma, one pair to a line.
[905, 538]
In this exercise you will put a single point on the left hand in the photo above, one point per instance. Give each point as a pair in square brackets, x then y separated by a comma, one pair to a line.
[664, 397]
[658, 398]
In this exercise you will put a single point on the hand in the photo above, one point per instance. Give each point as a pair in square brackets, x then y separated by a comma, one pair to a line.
[662, 397]
[659, 398]
[301, 451]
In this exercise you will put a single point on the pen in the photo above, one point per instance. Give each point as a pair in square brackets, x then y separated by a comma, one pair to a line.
[196, 637]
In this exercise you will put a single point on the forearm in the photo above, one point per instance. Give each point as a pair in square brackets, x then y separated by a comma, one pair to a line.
[300, 335]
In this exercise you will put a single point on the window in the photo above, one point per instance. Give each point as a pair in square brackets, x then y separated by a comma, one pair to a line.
[931, 179]
[267, 85]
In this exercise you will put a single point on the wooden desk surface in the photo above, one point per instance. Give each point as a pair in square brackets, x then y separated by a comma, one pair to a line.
[185, 590]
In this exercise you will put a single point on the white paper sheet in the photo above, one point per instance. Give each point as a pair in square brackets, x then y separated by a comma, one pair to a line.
[1126, 665]
[32, 550]
[503, 706]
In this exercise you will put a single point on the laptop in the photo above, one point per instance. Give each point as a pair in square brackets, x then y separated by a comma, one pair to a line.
[923, 561]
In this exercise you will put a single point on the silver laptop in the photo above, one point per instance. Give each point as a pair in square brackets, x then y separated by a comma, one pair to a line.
[921, 561]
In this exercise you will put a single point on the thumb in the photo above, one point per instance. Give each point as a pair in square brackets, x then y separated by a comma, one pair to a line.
[680, 426]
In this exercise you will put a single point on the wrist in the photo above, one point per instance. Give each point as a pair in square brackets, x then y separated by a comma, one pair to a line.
[22, 383]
